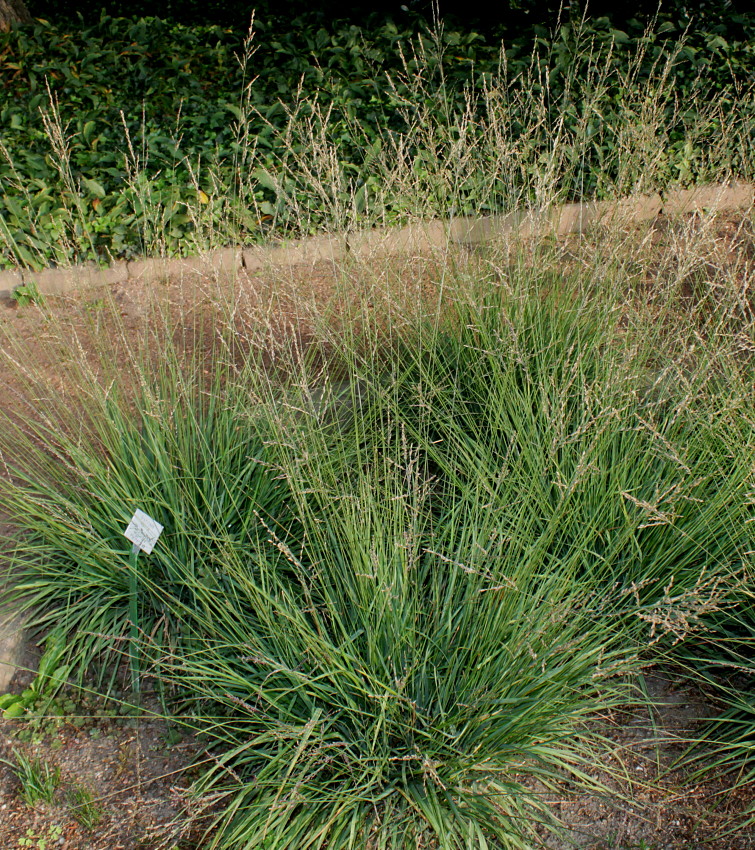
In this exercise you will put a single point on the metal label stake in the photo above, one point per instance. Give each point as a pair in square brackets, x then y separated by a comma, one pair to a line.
[143, 532]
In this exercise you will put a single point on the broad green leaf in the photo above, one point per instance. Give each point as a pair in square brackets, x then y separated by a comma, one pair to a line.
[88, 131]
[93, 187]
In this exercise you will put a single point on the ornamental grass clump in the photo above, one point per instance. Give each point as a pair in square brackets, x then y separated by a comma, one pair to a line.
[406, 559]
[523, 508]
[174, 440]
[404, 684]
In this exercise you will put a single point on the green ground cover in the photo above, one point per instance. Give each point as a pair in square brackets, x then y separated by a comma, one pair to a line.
[129, 136]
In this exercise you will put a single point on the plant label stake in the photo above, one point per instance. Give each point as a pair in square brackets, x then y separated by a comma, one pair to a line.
[143, 532]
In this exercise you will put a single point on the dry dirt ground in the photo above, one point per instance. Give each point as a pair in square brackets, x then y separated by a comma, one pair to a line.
[137, 770]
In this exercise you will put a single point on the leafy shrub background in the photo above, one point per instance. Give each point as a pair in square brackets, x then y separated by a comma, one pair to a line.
[127, 135]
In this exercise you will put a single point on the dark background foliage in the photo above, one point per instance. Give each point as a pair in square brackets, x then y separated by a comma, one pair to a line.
[511, 15]
[170, 86]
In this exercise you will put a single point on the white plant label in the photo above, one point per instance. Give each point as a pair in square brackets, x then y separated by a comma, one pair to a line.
[143, 531]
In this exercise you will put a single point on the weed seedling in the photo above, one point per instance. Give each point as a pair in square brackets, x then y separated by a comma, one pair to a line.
[84, 807]
[49, 837]
[38, 780]
[27, 293]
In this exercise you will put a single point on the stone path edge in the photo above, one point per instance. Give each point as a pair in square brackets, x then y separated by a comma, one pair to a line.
[560, 220]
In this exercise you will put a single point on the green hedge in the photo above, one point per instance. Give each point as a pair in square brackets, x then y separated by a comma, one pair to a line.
[146, 144]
